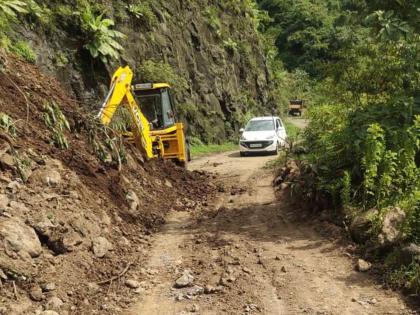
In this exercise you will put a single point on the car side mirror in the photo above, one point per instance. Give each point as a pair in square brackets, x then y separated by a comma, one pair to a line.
[241, 130]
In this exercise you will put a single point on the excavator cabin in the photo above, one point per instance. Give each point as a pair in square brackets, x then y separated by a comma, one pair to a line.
[157, 105]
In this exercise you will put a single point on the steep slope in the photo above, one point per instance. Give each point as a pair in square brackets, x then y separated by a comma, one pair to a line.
[70, 224]
[212, 48]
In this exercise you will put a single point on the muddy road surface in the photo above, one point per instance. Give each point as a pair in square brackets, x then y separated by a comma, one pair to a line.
[248, 253]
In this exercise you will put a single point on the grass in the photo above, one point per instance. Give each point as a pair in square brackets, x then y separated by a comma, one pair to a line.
[292, 129]
[204, 149]
[276, 163]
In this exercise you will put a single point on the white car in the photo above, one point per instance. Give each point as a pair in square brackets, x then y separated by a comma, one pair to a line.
[263, 134]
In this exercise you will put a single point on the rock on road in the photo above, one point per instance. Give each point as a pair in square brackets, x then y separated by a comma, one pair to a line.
[251, 254]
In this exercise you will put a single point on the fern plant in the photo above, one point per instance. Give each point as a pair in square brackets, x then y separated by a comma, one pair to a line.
[102, 40]
[10, 8]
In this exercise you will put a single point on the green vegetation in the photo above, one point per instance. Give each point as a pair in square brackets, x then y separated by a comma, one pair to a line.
[107, 143]
[23, 50]
[8, 124]
[143, 11]
[57, 122]
[198, 148]
[230, 45]
[10, 8]
[357, 64]
[160, 72]
[213, 18]
[101, 39]
[293, 131]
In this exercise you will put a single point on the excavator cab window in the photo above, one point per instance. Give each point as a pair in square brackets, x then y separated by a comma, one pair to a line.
[157, 107]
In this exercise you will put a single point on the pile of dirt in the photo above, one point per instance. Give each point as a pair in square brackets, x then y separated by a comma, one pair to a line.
[73, 229]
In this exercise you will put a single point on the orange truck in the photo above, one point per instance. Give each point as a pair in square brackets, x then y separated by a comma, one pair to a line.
[296, 107]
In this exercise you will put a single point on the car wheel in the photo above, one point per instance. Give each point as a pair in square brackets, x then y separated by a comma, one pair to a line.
[242, 154]
[276, 152]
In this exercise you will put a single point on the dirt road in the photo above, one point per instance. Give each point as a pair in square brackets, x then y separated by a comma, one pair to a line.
[299, 122]
[249, 254]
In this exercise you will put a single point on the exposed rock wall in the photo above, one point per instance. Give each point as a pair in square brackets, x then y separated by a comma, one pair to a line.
[212, 44]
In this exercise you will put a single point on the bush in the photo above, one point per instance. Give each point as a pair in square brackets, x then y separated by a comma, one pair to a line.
[230, 45]
[213, 19]
[143, 11]
[24, 50]
[187, 111]
[374, 146]
[101, 39]
[159, 72]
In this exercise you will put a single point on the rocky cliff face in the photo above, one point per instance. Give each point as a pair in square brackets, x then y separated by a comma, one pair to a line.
[212, 46]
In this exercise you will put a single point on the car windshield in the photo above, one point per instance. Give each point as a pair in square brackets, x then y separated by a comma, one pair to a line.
[260, 125]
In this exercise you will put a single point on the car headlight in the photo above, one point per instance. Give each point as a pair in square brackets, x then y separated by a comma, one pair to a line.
[270, 137]
[243, 138]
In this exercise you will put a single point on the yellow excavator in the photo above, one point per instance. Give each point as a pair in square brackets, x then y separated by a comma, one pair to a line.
[154, 130]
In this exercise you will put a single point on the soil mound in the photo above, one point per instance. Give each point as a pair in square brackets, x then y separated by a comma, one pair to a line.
[74, 226]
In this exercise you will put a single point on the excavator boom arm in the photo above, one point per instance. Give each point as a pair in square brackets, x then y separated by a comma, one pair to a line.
[120, 94]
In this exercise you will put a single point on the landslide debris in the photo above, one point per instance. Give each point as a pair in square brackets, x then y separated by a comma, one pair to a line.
[74, 229]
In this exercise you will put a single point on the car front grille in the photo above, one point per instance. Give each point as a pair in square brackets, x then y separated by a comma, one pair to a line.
[251, 144]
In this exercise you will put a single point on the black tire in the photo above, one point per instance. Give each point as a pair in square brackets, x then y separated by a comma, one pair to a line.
[188, 152]
[276, 152]
[184, 164]
[242, 154]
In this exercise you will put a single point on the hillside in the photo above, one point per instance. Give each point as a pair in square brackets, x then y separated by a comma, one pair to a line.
[70, 221]
[357, 63]
[210, 52]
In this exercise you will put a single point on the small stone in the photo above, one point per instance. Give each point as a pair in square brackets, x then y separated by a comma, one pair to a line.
[13, 186]
[133, 200]
[71, 240]
[185, 280]
[139, 290]
[48, 287]
[133, 284]
[54, 304]
[168, 183]
[4, 201]
[20, 237]
[7, 161]
[194, 308]
[363, 265]
[208, 289]
[36, 293]
[283, 269]
[93, 287]
[277, 258]
[101, 246]
[194, 291]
